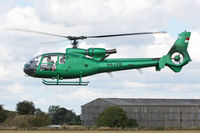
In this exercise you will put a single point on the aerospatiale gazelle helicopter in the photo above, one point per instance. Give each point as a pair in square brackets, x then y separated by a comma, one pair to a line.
[78, 63]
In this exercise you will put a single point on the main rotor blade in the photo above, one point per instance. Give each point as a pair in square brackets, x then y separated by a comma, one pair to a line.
[38, 32]
[74, 38]
[127, 34]
[53, 42]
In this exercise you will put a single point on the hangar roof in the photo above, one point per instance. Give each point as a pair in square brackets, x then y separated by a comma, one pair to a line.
[145, 101]
[126, 101]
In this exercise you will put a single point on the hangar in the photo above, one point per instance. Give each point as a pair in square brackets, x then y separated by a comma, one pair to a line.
[149, 113]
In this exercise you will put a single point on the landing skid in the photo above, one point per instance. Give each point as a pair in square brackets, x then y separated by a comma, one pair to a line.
[69, 83]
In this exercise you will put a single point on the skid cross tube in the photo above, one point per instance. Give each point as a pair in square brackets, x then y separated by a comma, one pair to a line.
[58, 82]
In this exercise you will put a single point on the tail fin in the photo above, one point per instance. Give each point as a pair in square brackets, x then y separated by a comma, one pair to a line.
[178, 56]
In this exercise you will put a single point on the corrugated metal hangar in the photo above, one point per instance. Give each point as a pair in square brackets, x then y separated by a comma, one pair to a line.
[149, 113]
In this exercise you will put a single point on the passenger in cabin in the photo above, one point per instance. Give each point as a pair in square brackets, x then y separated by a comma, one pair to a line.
[50, 64]
[62, 60]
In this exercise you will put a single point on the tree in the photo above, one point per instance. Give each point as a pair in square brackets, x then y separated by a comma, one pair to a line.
[38, 111]
[112, 117]
[25, 108]
[60, 115]
[3, 115]
[40, 118]
[53, 111]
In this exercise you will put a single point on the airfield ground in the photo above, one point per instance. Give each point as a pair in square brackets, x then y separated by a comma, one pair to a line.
[92, 131]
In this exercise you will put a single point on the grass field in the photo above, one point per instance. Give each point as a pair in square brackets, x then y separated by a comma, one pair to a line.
[91, 131]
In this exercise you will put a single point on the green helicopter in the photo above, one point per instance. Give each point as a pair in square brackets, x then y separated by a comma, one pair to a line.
[78, 63]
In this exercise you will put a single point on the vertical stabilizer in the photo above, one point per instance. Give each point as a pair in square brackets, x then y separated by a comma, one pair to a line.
[177, 56]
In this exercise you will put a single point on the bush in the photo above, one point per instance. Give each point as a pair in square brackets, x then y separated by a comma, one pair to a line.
[3, 115]
[26, 108]
[112, 117]
[28, 121]
[60, 115]
[38, 119]
[132, 123]
[21, 121]
[41, 120]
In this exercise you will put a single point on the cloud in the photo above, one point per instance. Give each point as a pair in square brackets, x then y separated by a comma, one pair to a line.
[15, 88]
[93, 17]
[81, 94]
[6, 52]
[194, 46]
[134, 84]
[4, 72]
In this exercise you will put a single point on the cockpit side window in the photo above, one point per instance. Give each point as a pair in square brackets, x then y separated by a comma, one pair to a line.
[33, 63]
[62, 59]
[37, 60]
[48, 63]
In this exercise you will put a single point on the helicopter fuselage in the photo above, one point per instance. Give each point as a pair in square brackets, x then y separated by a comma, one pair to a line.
[76, 64]
[87, 67]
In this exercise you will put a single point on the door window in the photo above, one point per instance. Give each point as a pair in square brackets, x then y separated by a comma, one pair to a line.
[49, 63]
[62, 59]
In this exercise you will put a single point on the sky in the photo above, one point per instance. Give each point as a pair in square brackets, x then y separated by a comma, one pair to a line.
[97, 17]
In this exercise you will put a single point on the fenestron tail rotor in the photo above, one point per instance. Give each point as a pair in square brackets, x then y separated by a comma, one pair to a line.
[177, 58]
[75, 38]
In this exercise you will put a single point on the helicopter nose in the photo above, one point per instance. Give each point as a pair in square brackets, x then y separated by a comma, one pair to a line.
[28, 70]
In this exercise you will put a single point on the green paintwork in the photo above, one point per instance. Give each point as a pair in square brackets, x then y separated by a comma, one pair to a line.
[78, 65]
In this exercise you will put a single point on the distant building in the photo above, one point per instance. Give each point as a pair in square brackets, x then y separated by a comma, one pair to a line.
[149, 113]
